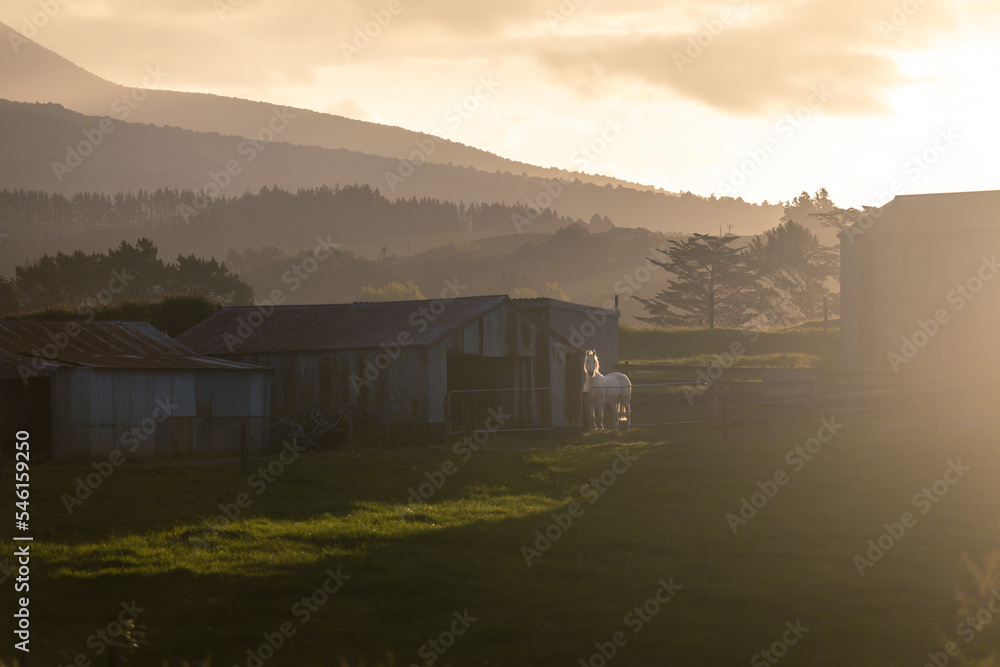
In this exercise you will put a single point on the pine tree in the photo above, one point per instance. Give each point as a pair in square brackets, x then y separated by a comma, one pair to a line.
[712, 285]
[790, 259]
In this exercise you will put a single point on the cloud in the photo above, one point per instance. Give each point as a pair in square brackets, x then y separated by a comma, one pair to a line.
[766, 55]
[479, 18]
[753, 59]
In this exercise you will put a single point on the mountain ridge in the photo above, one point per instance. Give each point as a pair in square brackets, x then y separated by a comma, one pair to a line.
[33, 73]
[44, 146]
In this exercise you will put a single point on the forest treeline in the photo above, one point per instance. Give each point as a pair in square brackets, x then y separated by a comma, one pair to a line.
[786, 270]
[38, 223]
[339, 209]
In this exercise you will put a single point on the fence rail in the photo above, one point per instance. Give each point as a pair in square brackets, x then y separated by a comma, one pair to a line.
[728, 395]
[663, 404]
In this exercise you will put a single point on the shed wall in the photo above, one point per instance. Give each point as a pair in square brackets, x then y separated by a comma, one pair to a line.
[156, 413]
[409, 384]
[585, 328]
[395, 389]
[893, 282]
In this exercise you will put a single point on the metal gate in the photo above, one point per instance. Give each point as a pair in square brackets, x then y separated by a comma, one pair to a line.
[519, 410]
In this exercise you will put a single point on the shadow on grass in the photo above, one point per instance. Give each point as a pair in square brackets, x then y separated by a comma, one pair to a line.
[409, 568]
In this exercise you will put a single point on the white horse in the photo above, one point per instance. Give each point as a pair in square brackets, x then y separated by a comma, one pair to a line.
[601, 389]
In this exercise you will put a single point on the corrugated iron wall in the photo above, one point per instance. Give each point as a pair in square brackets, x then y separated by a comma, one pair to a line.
[156, 413]
[368, 377]
[410, 385]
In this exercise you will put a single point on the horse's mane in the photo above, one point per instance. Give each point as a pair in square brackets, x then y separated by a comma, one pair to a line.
[597, 362]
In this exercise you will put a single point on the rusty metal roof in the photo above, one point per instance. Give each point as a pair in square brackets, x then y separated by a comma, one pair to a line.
[546, 302]
[52, 344]
[252, 329]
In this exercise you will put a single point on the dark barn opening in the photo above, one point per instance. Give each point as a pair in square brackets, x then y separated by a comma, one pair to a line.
[27, 407]
[472, 371]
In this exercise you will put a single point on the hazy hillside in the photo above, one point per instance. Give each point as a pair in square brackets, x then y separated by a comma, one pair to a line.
[37, 222]
[32, 73]
[591, 267]
[40, 141]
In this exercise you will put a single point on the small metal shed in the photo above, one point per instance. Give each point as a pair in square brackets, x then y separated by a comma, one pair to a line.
[84, 390]
[401, 360]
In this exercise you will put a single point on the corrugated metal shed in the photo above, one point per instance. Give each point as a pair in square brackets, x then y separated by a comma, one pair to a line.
[340, 353]
[93, 388]
[98, 345]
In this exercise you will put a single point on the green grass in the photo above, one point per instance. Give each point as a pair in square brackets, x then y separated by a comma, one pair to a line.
[801, 346]
[411, 567]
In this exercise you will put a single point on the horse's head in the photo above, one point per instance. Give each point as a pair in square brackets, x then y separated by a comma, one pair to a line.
[590, 364]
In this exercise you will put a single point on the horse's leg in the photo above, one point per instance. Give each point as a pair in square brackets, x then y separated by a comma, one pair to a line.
[628, 409]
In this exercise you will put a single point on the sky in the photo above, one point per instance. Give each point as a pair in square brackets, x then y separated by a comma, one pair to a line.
[760, 99]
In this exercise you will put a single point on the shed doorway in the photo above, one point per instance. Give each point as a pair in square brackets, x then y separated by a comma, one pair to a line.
[472, 371]
[26, 407]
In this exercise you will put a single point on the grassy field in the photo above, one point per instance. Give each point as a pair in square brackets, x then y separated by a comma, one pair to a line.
[406, 573]
[801, 346]
[653, 547]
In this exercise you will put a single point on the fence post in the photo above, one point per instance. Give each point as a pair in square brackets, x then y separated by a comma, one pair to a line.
[244, 464]
[447, 415]
[725, 417]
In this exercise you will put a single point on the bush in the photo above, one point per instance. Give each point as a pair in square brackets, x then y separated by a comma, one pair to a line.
[172, 315]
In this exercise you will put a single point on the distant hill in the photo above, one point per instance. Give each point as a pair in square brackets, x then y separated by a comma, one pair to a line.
[591, 266]
[36, 222]
[43, 146]
[32, 73]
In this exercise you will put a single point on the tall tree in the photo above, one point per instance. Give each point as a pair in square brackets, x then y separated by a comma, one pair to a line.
[808, 211]
[790, 259]
[712, 285]
[10, 300]
[210, 278]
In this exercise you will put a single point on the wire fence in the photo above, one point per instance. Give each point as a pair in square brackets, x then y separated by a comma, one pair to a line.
[330, 425]
[728, 396]
[741, 402]
[658, 404]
